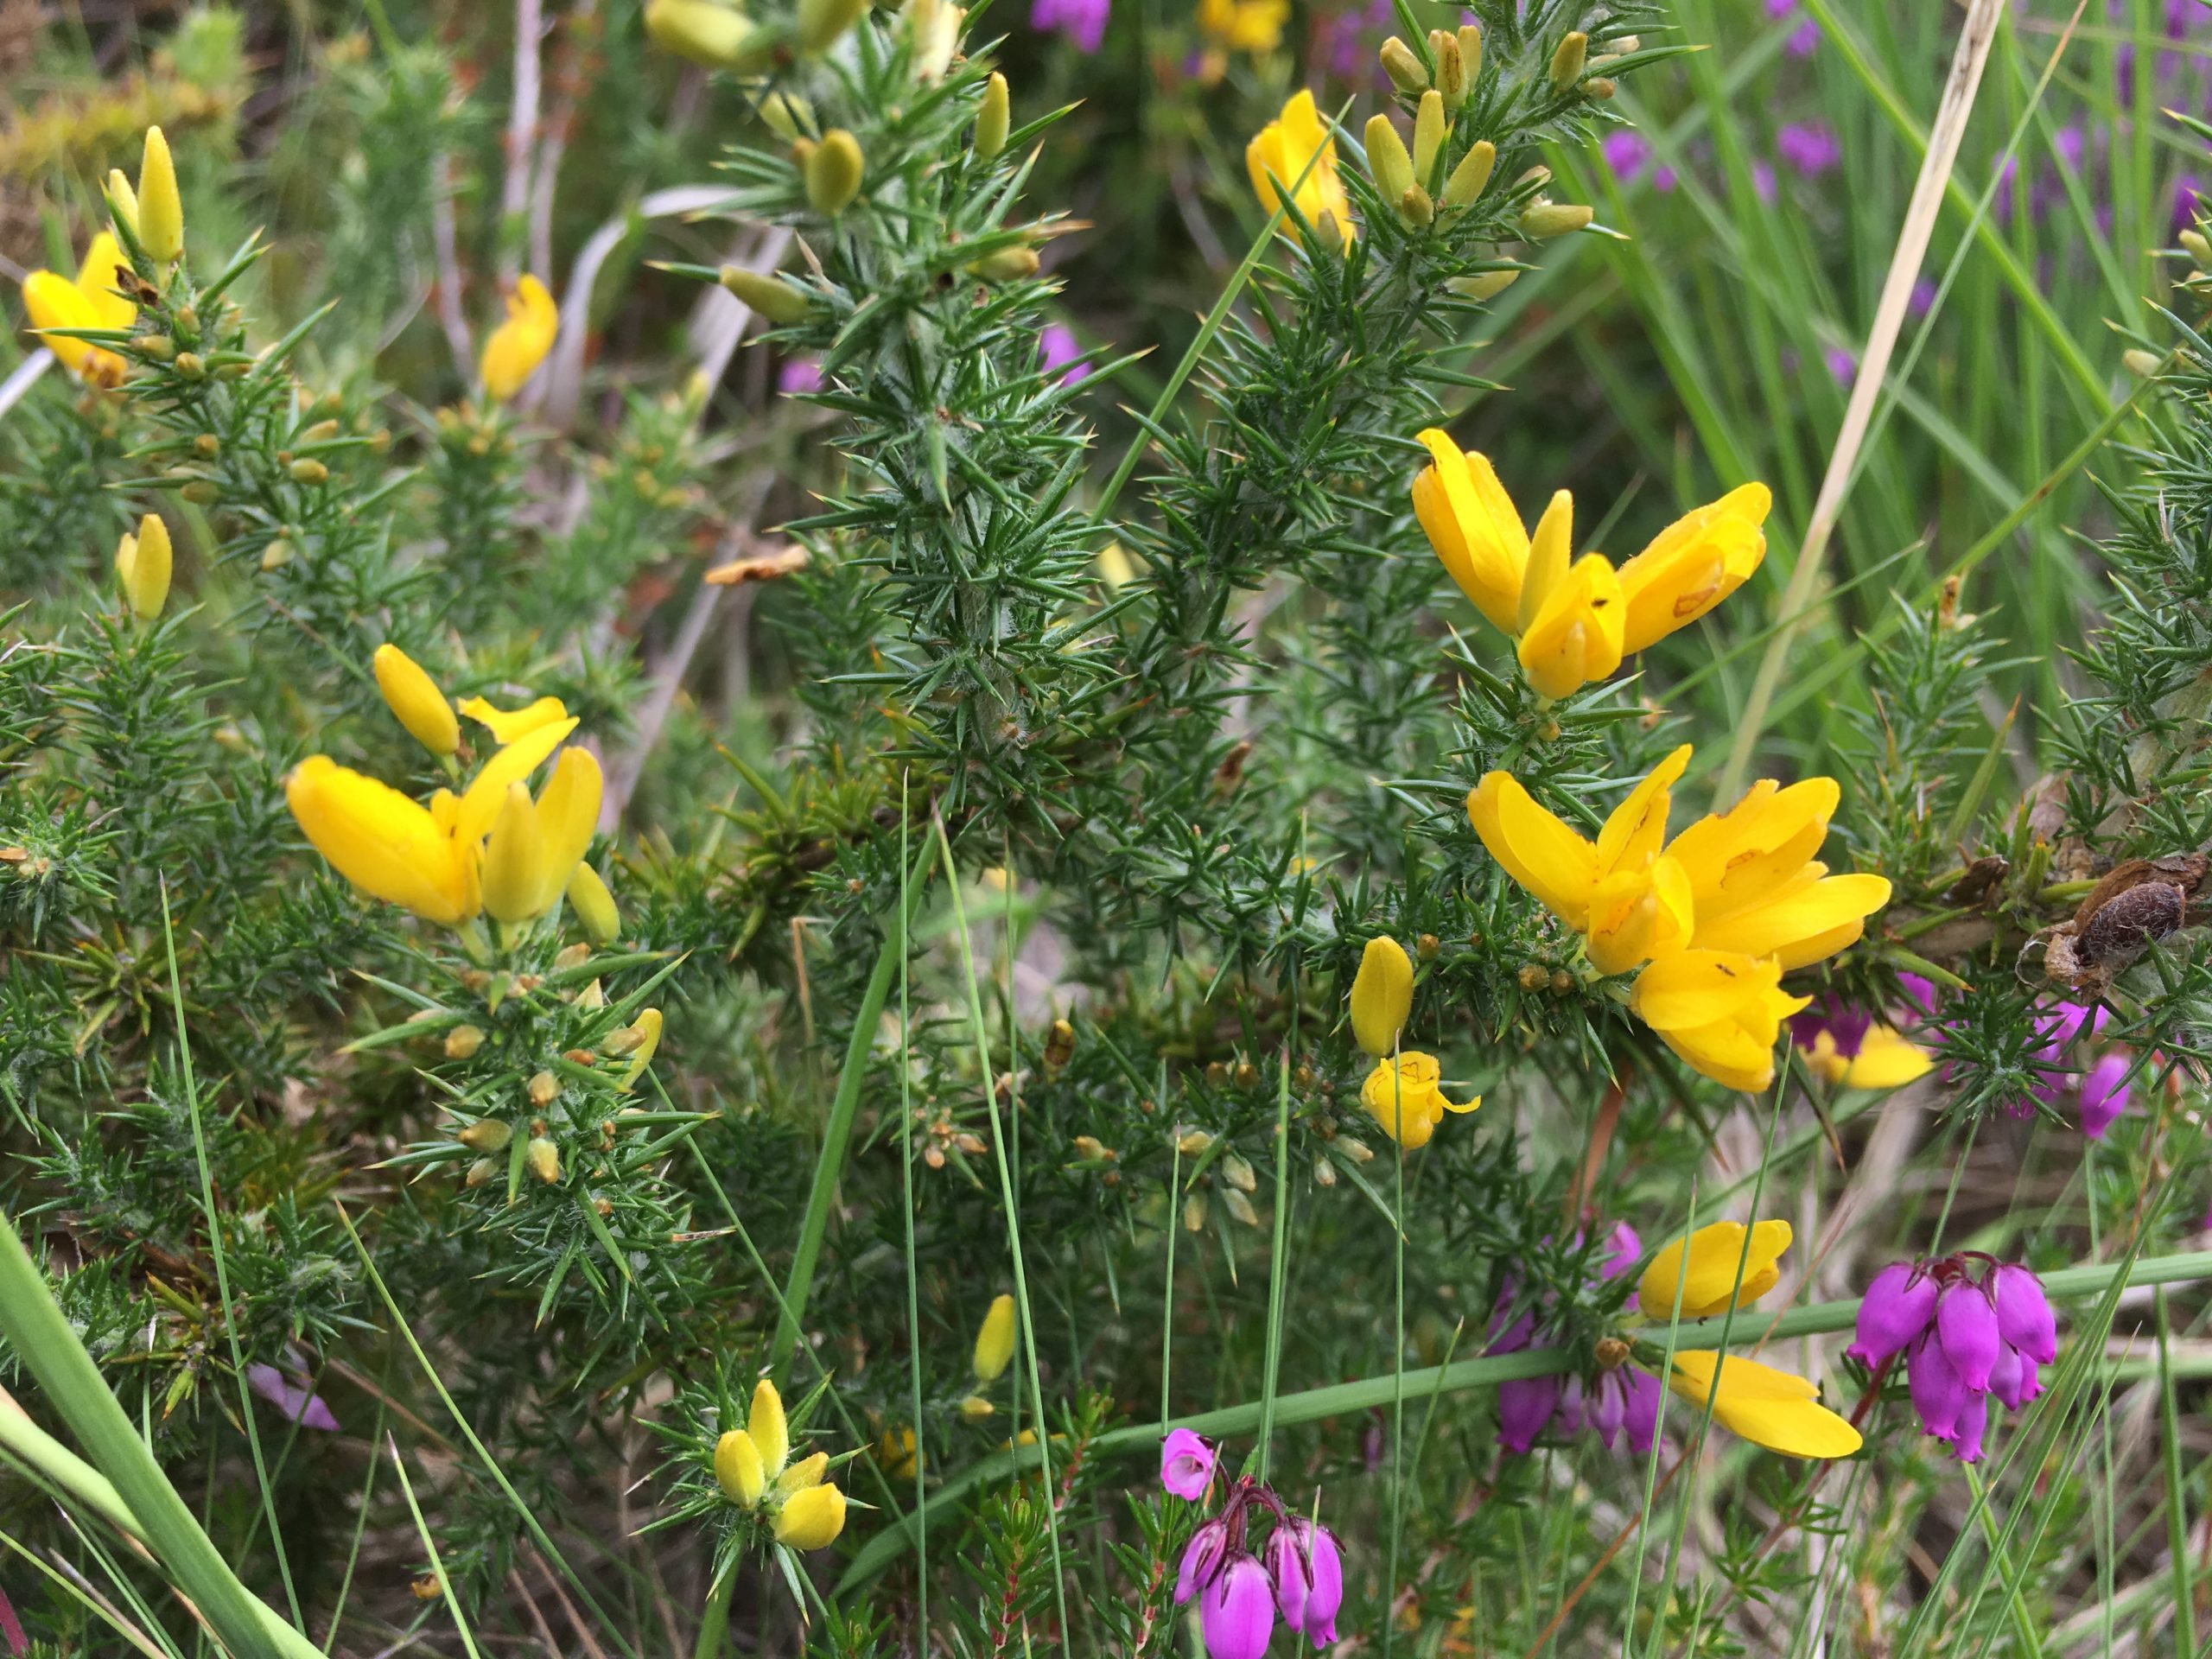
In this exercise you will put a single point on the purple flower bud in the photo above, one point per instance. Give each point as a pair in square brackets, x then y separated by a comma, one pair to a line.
[1236, 1612]
[2104, 1093]
[1186, 1463]
[1202, 1559]
[1627, 1251]
[1309, 1575]
[1974, 1423]
[1937, 1394]
[1897, 1307]
[2011, 1378]
[2024, 1315]
[1965, 1324]
[1568, 1419]
[301, 1404]
[1524, 1406]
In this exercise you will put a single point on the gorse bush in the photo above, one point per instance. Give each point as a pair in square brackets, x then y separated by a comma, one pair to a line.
[674, 996]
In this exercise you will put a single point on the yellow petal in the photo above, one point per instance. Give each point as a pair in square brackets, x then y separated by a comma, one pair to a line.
[1279, 154]
[1694, 564]
[766, 1425]
[96, 282]
[1636, 830]
[1382, 996]
[811, 1519]
[380, 841]
[595, 906]
[807, 1471]
[1471, 523]
[145, 572]
[1576, 635]
[567, 818]
[1694, 987]
[519, 344]
[1714, 1253]
[509, 869]
[738, 1469]
[507, 725]
[1737, 857]
[995, 1340]
[414, 700]
[1764, 1406]
[1801, 922]
[1551, 551]
[1887, 1059]
[487, 791]
[1535, 848]
[51, 300]
[1637, 914]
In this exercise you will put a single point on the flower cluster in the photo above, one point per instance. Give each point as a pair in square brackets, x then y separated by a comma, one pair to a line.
[1621, 1398]
[1404, 1093]
[1576, 619]
[754, 1467]
[62, 309]
[492, 848]
[1714, 917]
[1967, 1340]
[1297, 1572]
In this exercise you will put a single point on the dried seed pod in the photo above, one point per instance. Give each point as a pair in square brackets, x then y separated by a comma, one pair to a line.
[2134, 921]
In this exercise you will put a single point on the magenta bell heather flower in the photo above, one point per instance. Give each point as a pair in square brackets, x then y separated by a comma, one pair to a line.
[1236, 1612]
[1309, 1575]
[1082, 21]
[1187, 1461]
[2105, 1093]
[1202, 1558]
[1059, 352]
[1967, 1340]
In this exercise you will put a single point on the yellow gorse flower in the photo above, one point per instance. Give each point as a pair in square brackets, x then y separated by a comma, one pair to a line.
[1704, 1274]
[1576, 619]
[1720, 912]
[1887, 1058]
[87, 301]
[1407, 1100]
[1766, 1407]
[1277, 160]
[1382, 996]
[519, 344]
[754, 1467]
[414, 700]
[491, 848]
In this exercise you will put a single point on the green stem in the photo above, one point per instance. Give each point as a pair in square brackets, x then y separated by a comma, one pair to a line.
[33, 1324]
[2177, 1487]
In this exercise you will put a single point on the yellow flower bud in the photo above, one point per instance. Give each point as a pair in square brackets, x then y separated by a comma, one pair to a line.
[811, 1519]
[1573, 51]
[823, 23]
[463, 1042]
[995, 1341]
[1194, 1213]
[647, 1029]
[1467, 179]
[1487, 285]
[707, 32]
[1239, 1208]
[595, 906]
[1382, 996]
[487, 1134]
[542, 1159]
[1387, 159]
[2199, 250]
[2143, 365]
[833, 172]
[765, 1425]
[1403, 64]
[1540, 219]
[1007, 264]
[1429, 131]
[160, 208]
[142, 562]
[933, 31]
[775, 300]
[123, 200]
[974, 1409]
[788, 115]
[413, 698]
[738, 1469]
[993, 119]
[1451, 67]
[1470, 50]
